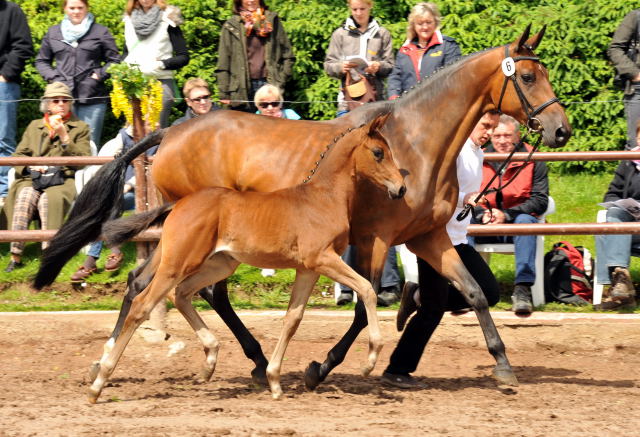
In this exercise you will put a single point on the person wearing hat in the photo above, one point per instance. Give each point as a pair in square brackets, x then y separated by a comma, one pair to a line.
[46, 190]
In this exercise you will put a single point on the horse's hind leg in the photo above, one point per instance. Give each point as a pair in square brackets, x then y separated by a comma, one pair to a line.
[436, 249]
[220, 266]
[218, 297]
[302, 287]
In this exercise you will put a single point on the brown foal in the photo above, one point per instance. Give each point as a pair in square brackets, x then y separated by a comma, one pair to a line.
[209, 233]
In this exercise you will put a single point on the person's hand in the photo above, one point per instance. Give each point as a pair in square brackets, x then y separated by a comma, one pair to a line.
[493, 216]
[346, 66]
[40, 168]
[636, 78]
[470, 198]
[127, 188]
[2, 79]
[58, 126]
[225, 101]
[95, 76]
[372, 68]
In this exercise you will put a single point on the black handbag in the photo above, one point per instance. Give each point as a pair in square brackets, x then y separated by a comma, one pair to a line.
[52, 177]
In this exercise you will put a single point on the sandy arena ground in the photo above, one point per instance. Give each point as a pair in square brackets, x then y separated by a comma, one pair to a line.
[579, 376]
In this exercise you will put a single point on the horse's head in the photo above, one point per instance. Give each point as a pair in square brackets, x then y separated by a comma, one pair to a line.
[373, 159]
[524, 92]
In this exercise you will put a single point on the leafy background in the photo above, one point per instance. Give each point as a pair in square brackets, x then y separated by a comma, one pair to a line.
[574, 51]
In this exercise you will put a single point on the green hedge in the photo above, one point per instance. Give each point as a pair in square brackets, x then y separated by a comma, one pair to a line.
[574, 51]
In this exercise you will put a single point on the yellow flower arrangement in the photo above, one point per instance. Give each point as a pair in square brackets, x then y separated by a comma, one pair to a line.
[129, 83]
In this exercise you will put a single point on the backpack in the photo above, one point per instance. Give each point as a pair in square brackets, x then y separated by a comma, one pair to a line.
[568, 274]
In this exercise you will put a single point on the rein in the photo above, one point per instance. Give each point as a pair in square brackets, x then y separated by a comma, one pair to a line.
[533, 124]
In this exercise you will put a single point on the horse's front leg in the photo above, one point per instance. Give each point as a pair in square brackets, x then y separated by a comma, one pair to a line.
[371, 257]
[436, 249]
[218, 297]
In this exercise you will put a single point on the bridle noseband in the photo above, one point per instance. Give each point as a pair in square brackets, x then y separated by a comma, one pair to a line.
[509, 70]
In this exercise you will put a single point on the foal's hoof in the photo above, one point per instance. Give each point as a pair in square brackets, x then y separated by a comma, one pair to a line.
[93, 396]
[505, 376]
[93, 371]
[366, 370]
[312, 376]
[259, 376]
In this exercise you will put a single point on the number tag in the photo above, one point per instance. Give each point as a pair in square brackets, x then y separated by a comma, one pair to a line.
[509, 66]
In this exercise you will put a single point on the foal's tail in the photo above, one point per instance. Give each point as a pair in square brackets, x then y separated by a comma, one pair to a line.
[116, 232]
[99, 201]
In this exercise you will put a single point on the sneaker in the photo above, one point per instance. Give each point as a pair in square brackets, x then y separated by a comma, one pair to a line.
[388, 296]
[344, 298]
[114, 261]
[521, 299]
[621, 285]
[82, 273]
[407, 304]
[400, 381]
[12, 266]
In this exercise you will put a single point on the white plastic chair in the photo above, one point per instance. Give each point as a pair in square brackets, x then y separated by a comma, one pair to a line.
[537, 289]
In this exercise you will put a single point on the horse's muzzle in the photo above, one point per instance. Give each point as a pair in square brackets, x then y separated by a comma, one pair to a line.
[398, 193]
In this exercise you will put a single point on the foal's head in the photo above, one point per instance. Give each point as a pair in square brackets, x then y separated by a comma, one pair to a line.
[373, 159]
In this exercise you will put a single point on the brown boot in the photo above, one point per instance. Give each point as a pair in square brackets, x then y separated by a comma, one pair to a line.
[622, 289]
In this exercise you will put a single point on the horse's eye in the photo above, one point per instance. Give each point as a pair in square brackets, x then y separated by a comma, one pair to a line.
[528, 78]
[378, 153]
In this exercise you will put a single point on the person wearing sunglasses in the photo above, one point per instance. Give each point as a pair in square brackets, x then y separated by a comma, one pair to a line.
[268, 100]
[198, 98]
[58, 133]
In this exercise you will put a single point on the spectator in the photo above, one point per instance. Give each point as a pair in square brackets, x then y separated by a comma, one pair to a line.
[268, 100]
[614, 251]
[360, 36]
[404, 359]
[254, 50]
[626, 39]
[425, 50]
[522, 201]
[154, 42]
[77, 52]
[58, 133]
[198, 97]
[15, 48]
[120, 144]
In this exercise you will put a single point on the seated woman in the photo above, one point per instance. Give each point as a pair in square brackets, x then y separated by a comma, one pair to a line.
[268, 100]
[58, 133]
[197, 95]
[614, 251]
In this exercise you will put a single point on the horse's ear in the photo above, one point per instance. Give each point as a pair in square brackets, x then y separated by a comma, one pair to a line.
[377, 123]
[523, 38]
[534, 41]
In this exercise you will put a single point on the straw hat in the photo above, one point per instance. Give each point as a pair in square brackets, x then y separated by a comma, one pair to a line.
[57, 89]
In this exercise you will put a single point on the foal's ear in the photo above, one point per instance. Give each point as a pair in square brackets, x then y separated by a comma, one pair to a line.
[523, 38]
[534, 41]
[377, 124]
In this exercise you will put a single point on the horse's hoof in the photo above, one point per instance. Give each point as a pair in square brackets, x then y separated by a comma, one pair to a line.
[93, 371]
[93, 396]
[366, 370]
[259, 376]
[312, 376]
[505, 376]
[206, 373]
[276, 394]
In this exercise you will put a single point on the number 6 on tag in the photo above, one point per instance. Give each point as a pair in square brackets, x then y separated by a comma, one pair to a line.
[508, 66]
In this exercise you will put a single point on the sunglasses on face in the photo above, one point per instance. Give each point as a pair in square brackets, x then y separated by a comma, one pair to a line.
[57, 101]
[201, 99]
[265, 105]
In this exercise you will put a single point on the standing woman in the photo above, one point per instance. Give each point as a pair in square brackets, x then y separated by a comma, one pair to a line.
[360, 36]
[154, 42]
[254, 50]
[81, 50]
[425, 50]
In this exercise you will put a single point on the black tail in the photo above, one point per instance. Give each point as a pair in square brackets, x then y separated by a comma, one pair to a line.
[99, 201]
[116, 232]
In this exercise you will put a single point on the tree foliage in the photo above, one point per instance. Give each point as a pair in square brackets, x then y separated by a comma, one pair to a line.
[573, 50]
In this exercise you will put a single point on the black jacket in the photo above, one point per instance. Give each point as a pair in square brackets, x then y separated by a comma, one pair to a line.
[625, 183]
[15, 41]
[96, 50]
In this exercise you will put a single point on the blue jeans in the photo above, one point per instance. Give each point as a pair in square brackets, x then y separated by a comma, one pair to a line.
[390, 273]
[128, 203]
[93, 115]
[525, 250]
[614, 250]
[8, 111]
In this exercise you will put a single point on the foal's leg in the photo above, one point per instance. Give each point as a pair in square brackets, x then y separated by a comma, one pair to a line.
[302, 288]
[436, 249]
[220, 266]
[373, 259]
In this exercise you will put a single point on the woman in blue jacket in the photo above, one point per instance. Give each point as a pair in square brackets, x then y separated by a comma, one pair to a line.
[425, 50]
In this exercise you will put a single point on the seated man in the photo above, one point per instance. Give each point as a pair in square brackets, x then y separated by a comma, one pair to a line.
[522, 201]
[614, 251]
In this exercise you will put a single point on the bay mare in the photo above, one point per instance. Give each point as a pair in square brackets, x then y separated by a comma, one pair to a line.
[425, 131]
[207, 234]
